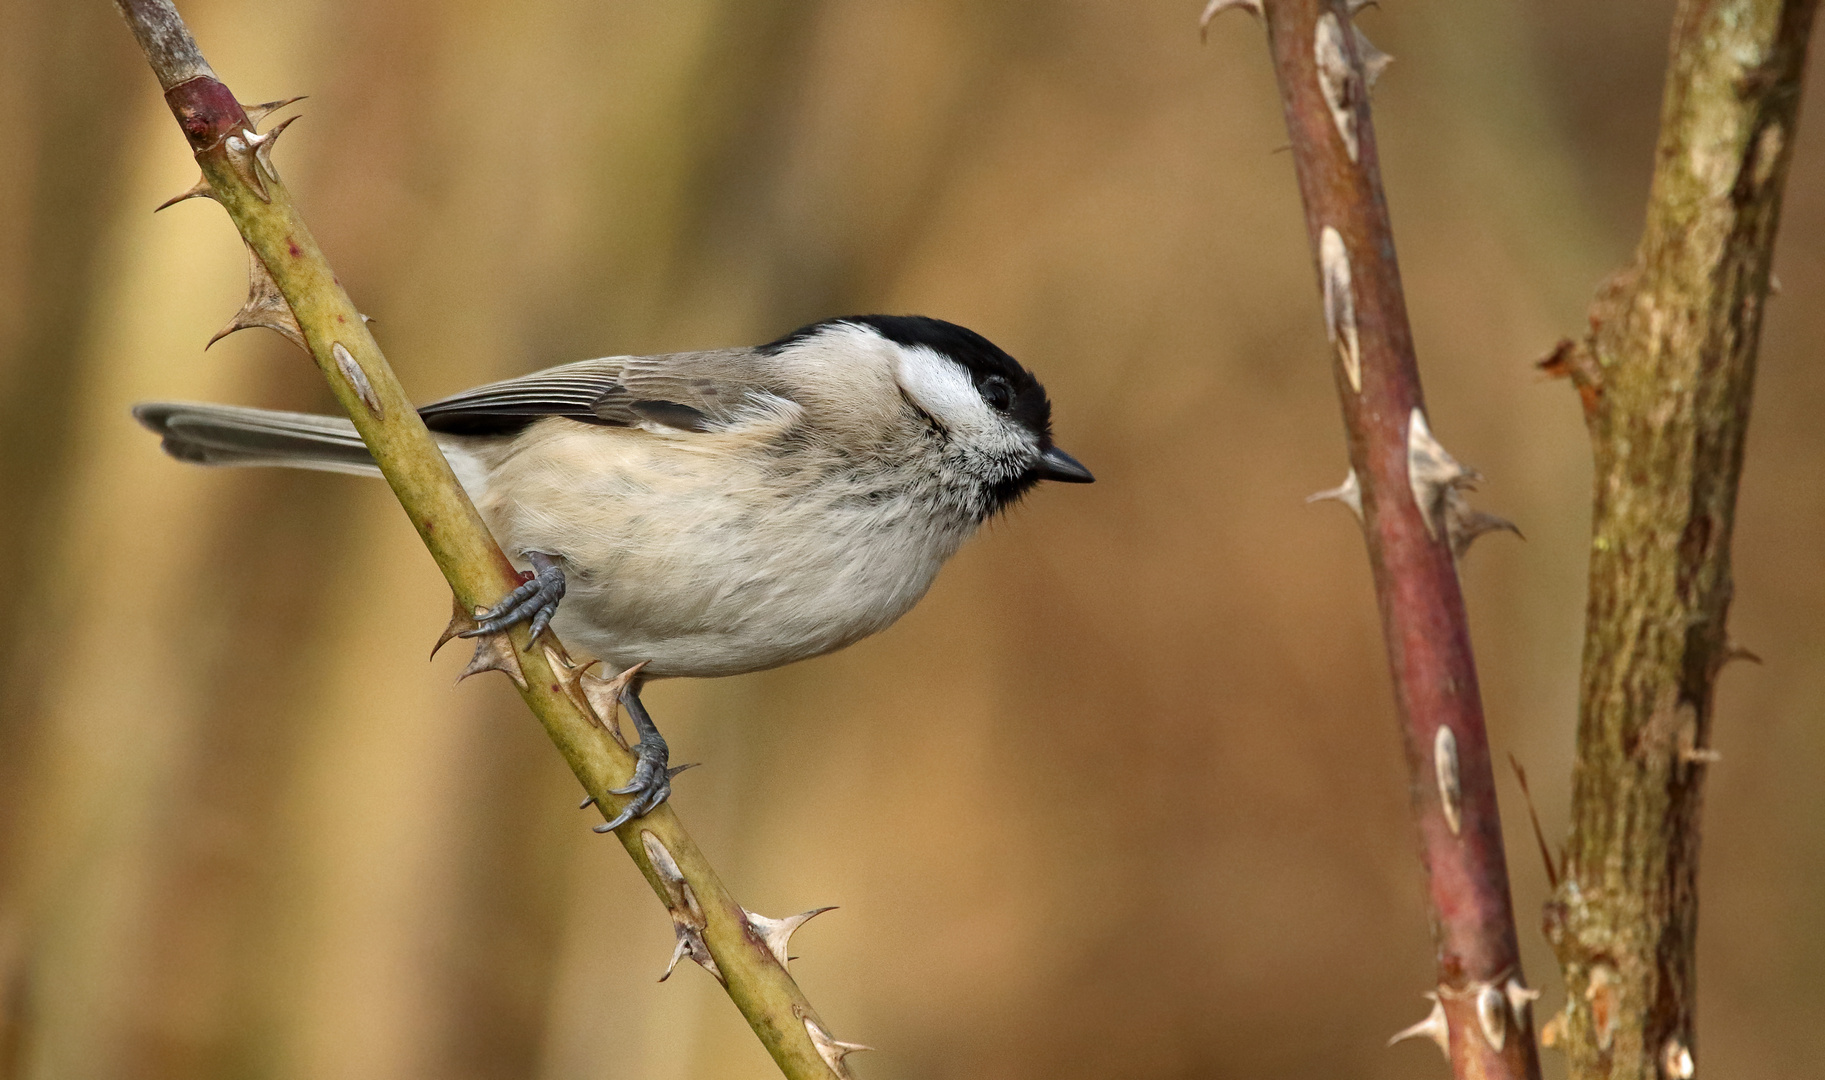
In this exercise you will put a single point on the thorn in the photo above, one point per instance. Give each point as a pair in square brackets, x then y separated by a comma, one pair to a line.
[684, 947]
[240, 156]
[265, 306]
[494, 652]
[262, 147]
[603, 697]
[257, 114]
[829, 1048]
[1520, 997]
[1492, 1016]
[664, 866]
[1431, 471]
[1218, 7]
[1340, 304]
[1438, 481]
[1357, 5]
[1774, 284]
[1434, 1027]
[570, 676]
[1733, 651]
[368, 320]
[1557, 363]
[460, 621]
[1573, 360]
[357, 379]
[666, 869]
[1348, 493]
[1337, 79]
[1464, 523]
[1546, 855]
[1676, 1060]
[1374, 61]
[688, 921]
[775, 934]
[588, 801]
[198, 190]
[1445, 769]
[561, 666]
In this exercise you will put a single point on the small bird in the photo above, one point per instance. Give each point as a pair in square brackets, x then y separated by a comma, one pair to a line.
[711, 513]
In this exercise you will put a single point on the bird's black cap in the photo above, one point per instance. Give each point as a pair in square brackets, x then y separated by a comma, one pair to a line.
[982, 358]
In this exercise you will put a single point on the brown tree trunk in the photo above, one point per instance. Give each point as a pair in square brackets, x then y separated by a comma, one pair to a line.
[1665, 376]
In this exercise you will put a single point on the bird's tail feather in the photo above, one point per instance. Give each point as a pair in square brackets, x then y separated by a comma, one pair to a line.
[231, 435]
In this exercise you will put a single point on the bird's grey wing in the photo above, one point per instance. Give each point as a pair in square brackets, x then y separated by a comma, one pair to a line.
[695, 391]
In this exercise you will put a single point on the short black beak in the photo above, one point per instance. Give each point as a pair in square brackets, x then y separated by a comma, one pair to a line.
[1055, 464]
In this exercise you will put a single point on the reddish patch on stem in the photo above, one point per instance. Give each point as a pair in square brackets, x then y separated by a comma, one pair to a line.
[206, 111]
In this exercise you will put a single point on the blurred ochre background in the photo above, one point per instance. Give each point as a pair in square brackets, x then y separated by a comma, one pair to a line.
[1123, 797]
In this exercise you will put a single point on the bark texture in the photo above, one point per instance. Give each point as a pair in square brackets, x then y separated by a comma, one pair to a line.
[1408, 494]
[1665, 377]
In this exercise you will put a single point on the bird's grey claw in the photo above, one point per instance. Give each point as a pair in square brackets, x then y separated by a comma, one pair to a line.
[650, 772]
[652, 780]
[535, 601]
[641, 806]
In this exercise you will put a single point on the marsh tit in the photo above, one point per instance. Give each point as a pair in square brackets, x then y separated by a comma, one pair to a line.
[711, 513]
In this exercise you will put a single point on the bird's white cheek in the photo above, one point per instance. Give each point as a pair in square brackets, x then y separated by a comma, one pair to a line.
[943, 389]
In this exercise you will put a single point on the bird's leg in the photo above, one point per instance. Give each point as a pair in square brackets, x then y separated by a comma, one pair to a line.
[536, 601]
[652, 782]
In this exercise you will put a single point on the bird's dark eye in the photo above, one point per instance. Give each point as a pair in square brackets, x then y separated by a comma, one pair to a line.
[997, 392]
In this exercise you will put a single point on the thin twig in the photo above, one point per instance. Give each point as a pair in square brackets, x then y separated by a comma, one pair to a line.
[1665, 377]
[1533, 818]
[295, 291]
[1408, 493]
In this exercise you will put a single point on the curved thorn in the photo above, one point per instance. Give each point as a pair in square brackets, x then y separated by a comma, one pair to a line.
[1218, 7]
[460, 620]
[258, 113]
[831, 1049]
[263, 145]
[1434, 1027]
[495, 653]
[265, 306]
[1348, 493]
[684, 946]
[198, 190]
[776, 934]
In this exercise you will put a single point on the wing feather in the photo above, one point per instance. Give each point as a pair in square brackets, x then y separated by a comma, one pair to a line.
[694, 391]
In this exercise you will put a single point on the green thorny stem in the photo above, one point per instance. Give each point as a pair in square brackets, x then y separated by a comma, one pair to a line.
[295, 291]
[1407, 491]
[1665, 376]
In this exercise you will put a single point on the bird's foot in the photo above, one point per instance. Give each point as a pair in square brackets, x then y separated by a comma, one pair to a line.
[652, 782]
[534, 602]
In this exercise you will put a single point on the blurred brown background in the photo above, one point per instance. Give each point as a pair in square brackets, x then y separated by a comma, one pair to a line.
[1123, 797]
